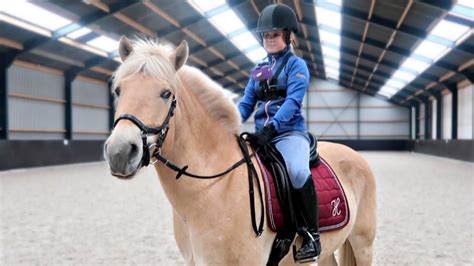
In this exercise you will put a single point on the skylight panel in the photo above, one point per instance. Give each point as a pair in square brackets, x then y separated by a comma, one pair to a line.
[415, 65]
[466, 3]
[231, 26]
[104, 43]
[430, 49]
[256, 55]
[331, 63]
[207, 5]
[404, 75]
[244, 40]
[328, 17]
[449, 30]
[447, 35]
[327, 37]
[331, 52]
[388, 89]
[332, 73]
[227, 22]
[396, 84]
[79, 33]
[329, 20]
[34, 14]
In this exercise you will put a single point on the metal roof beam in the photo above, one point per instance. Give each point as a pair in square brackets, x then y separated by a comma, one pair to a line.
[84, 21]
[382, 22]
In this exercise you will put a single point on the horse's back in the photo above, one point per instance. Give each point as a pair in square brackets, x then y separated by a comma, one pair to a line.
[345, 161]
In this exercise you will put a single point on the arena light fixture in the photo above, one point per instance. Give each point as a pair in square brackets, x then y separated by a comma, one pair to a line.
[34, 14]
[329, 21]
[224, 19]
[443, 37]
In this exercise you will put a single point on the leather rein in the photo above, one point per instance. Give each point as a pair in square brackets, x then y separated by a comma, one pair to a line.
[162, 130]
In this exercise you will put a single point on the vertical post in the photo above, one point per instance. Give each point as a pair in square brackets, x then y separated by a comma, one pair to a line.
[428, 118]
[111, 105]
[410, 128]
[358, 114]
[439, 115]
[69, 77]
[417, 120]
[454, 110]
[6, 59]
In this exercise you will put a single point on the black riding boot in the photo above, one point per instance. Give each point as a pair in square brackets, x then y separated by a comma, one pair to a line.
[307, 203]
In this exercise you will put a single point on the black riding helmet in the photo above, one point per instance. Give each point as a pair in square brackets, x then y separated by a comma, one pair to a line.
[277, 17]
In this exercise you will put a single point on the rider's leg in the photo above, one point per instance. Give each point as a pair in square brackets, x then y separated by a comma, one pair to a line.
[295, 151]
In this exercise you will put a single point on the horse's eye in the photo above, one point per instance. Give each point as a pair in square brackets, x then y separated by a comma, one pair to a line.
[166, 94]
[117, 91]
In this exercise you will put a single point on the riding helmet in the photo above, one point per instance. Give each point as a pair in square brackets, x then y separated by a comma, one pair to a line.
[275, 17]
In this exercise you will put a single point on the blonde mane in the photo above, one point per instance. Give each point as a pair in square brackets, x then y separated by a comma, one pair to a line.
[153, 59]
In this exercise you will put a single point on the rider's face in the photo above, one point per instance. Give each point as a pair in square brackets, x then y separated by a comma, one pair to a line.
[273, 41]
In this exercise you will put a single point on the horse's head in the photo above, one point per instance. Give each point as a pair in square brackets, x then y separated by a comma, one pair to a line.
[145, 86]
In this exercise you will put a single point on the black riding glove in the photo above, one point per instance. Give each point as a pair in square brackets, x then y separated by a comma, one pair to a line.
[264, 136]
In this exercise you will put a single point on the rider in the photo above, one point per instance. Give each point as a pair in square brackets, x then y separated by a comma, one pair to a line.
[278, 117]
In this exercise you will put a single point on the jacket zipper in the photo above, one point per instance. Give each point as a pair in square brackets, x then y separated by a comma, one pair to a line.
[266, 112]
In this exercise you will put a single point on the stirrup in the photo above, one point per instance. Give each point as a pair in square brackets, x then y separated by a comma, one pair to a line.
[307, 259]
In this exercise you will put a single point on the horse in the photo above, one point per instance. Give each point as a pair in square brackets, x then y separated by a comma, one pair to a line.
[190, 122]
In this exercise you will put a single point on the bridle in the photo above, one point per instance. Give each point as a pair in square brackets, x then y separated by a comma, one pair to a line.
[161, 132]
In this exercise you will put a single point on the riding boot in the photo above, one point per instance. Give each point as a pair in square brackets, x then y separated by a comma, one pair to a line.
[307, 202]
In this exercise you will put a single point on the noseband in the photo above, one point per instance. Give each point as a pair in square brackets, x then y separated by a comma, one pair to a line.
[160, 131]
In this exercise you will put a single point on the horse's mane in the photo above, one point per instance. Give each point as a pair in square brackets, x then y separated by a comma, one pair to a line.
[152, 58]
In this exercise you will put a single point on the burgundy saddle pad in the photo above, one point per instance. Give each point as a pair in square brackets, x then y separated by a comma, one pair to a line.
[333, 209]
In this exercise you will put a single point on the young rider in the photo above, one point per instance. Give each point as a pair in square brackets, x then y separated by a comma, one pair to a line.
[278, 117]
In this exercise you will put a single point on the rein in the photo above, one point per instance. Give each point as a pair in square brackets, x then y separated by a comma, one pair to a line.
[162, 131]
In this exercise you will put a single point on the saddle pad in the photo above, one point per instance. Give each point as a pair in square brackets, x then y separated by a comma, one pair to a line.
[333, 209]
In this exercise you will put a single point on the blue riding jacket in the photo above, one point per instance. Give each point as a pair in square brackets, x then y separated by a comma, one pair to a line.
[283, 113]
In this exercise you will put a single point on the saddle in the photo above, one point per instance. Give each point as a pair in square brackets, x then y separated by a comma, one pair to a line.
[333, 209]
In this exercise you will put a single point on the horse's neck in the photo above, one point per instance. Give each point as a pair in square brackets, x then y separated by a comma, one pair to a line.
[209, 211]
[204, 146]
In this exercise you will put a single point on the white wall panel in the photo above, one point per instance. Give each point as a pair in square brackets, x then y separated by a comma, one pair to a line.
[90, 122]
[35, 83]
[29, 116]
[421, 121]
[337, 114]
[465, 112]
[447, 121]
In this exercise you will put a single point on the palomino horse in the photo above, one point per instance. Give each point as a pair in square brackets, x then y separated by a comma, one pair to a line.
[194, 124]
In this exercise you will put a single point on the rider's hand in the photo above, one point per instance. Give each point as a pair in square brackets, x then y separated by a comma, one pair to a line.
[264, 136]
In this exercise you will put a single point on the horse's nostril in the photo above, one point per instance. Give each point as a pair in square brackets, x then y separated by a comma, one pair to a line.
[133, 150]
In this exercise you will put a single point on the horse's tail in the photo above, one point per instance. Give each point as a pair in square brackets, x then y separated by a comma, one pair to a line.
[346, 255]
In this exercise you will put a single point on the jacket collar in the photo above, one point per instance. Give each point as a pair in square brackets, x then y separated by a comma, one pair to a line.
[279, 54]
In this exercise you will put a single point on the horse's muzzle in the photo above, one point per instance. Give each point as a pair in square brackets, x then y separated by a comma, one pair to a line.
[123, 159]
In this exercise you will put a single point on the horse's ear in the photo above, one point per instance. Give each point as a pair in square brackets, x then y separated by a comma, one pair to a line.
[180, 55]
[125, 48]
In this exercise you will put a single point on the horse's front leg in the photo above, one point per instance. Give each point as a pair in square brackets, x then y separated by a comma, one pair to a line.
[181, 235]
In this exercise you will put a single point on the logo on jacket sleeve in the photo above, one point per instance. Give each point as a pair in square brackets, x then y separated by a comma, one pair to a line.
[300, 75]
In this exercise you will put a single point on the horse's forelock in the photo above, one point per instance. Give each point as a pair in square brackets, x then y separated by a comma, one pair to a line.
[150, 58]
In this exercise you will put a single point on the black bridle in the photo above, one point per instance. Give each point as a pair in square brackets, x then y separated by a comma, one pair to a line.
[162, 131]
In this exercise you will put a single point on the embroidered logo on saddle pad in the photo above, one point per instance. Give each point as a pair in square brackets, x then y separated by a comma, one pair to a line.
[333, 209]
